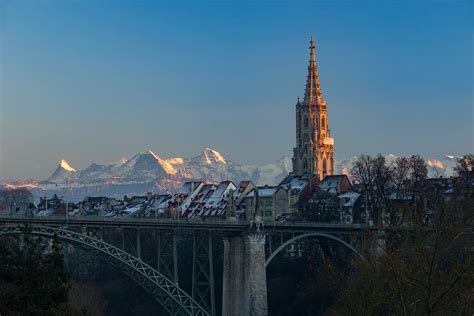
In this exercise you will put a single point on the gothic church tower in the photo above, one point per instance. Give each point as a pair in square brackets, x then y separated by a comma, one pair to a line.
[314, 151]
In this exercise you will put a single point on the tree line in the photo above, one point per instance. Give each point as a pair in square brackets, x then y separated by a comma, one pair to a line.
[398, 193]
[427, 269]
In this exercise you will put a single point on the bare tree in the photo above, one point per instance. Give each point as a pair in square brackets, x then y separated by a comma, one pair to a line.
[465, 171]
[363, 173]
[425, 271]
[382, 180]
[418, 171]
[17, 196]
[17, 199]
[374, 176]
[400, 170]
[418, 175]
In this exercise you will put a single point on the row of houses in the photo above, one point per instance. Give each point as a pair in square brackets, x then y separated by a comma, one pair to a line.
[332, 199]
[197, 199]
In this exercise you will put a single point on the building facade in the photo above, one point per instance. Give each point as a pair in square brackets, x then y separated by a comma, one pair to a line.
[314, 151]
[267, 201]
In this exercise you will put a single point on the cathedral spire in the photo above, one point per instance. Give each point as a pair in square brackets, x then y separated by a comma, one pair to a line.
[313, 93]
[314, 150]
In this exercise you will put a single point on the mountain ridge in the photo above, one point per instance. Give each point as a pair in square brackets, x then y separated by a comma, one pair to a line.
[147, 171]
[208, 165]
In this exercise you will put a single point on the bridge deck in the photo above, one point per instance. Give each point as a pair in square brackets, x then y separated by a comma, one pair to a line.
[195, 224]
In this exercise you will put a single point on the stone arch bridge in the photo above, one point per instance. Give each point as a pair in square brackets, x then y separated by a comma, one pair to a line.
[246, 254]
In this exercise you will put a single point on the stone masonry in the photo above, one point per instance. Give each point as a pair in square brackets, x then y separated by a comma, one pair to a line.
[245, 283]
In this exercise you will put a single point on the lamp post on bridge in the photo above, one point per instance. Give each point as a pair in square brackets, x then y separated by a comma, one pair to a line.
[67, 209]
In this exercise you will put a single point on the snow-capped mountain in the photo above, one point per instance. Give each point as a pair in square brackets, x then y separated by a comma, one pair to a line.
[443, 167]
[271, 173]
[148, 171]
[210, 165]
[63, 173]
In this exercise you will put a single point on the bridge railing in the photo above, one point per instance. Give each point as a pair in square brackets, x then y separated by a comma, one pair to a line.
[233, 224]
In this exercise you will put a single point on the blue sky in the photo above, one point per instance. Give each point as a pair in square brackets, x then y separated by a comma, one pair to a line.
[93, 81]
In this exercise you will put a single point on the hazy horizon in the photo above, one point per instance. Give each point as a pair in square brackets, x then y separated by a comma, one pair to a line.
[92, 81]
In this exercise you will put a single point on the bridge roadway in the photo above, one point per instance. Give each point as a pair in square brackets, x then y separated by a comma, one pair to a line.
[180, 224]
[247, 251]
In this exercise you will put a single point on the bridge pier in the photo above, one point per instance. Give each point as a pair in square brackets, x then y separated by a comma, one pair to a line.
[245, 284]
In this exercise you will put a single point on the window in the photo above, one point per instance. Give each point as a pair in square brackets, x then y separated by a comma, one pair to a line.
[323, 123]
[305, 122]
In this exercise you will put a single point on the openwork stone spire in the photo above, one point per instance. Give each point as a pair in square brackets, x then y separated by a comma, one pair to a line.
[313, 94]
[314, 150]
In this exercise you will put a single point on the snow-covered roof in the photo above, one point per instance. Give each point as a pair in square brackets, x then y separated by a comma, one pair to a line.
[332, 184]
[189, 186]
[158, 199]
[211, 200]
[350, 198]
[295, 183]
[350, 194]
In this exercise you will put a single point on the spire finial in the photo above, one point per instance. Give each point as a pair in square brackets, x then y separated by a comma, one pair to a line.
[312, 59]
[313, 92]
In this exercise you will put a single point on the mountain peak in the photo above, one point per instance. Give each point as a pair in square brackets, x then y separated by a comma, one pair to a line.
[211, 156]
[166, 165]
[66, 166]
[150, 152]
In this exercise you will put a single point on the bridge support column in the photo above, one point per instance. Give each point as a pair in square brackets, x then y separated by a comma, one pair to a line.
[244, 290]
[256, 278]
[234, 276]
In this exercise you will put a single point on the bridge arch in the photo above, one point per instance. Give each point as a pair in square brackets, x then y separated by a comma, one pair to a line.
[307, 235]
[165, 291]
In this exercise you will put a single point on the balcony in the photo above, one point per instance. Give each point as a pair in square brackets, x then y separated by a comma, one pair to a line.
[328, 141]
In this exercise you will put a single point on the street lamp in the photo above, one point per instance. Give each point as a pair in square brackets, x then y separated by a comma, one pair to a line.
[67, 209]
